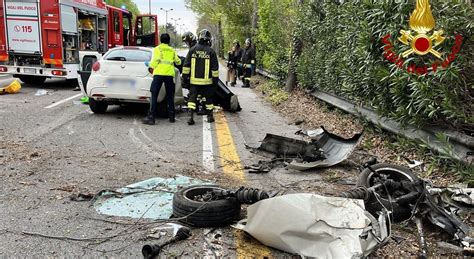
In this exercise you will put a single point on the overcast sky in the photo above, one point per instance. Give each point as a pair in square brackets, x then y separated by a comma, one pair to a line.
[188, 18]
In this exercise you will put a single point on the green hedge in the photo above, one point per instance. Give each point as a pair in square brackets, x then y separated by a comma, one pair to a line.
[275, 30]
[343, 54]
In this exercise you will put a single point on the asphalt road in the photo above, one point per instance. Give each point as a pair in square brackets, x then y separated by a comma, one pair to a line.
[52, 146]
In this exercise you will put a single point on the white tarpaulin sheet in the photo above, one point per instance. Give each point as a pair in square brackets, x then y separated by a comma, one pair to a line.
[315, 226]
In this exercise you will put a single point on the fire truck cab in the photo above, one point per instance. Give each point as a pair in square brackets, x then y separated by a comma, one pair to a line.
[42, 39]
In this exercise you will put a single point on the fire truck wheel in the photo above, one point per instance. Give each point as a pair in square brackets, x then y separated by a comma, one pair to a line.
[98, 106]
[33, 80]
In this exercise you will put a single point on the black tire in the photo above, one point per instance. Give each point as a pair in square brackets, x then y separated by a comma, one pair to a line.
[33, 80]
[373, 205]
[214, 213]
[98, 106]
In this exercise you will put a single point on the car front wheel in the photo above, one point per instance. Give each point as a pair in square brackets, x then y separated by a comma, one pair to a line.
[98, 107]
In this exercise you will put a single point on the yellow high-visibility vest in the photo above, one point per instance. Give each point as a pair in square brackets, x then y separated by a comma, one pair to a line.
[163, 60]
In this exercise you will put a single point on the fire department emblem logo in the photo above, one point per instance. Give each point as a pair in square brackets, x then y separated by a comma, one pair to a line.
[422, 23]
[422, 38]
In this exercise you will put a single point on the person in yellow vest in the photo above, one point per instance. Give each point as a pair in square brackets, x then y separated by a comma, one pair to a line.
[162, 67]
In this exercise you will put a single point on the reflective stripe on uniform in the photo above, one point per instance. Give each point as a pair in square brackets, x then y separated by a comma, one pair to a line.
[200, 81]
[186, 70]
[208, 67]
[209, 106]
[192, 105]
[215, 73]
[165, 62]
[193, 68]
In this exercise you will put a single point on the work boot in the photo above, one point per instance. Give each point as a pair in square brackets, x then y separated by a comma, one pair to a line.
[210, 117]
[149, 120]
[191, 118]
[226, 83]
[171, 118]
[232, 84]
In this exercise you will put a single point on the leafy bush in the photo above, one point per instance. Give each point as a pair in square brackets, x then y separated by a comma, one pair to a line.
[343, 54]
[275, 29]
[273, 92]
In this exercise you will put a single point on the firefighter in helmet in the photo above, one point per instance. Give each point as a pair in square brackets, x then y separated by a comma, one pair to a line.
[201, 71]
[189, 39]
[248, 61]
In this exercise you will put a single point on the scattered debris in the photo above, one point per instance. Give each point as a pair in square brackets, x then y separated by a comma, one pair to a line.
[161, 231]
[397, 189]
[41, 92]
[152, 251]
[299, 122]
[153, 196]
[328, 227]
[265, 166]
[324, 150]
[67, 188]
[110, 154]
[82, 197]
[9, 86]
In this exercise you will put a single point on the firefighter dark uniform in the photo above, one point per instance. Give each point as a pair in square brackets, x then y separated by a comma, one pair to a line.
[201, 70]
[248, 61]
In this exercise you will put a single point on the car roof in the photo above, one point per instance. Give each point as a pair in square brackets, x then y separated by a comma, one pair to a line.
[131, 48]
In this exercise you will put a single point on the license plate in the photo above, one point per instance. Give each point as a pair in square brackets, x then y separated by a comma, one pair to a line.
[121, 82]
[30, 70]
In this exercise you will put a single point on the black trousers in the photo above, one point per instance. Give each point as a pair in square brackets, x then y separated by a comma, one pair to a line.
[247, 75]
[206, 92]
[155, 88]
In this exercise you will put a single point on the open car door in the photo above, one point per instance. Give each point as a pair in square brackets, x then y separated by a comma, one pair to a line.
[146, 33]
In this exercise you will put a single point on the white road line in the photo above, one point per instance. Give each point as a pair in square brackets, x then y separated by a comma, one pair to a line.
[207, 149]
[63, 101]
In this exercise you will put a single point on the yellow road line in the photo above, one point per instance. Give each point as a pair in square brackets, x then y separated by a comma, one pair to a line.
[232, 166]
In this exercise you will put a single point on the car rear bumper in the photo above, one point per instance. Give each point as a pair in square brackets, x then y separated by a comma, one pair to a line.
[98, 88]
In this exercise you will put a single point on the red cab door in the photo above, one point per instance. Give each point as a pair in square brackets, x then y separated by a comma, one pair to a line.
[146, 31]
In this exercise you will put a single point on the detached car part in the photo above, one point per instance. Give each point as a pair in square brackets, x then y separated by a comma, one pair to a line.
[152, 251]
[226, 99]
[325, 149]
[198, 206]
[316, 226]
[398, 190]
[388, 179]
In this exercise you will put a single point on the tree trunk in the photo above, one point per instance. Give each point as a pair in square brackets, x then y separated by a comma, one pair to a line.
[254, 18]
[220, 39]
[296, 49]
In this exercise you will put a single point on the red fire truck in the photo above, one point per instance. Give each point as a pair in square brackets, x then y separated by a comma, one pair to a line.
[42, 39]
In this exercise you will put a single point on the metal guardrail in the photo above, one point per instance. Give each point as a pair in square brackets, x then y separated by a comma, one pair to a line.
[462, 146]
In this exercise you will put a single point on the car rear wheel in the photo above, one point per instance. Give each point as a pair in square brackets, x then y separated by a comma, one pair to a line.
[33, 80]
[98, 107]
